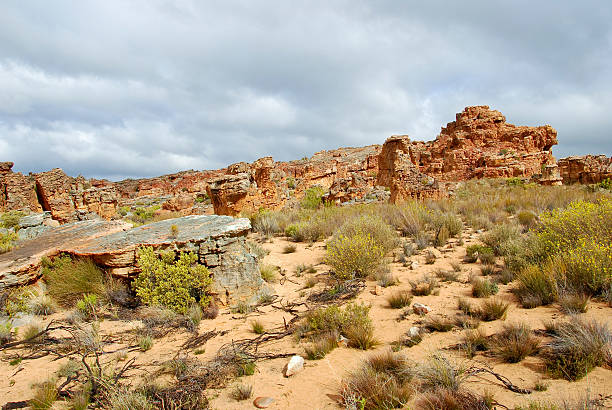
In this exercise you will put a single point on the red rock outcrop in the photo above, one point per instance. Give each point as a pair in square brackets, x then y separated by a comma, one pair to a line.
[588, 169]
[17, 192]
[397, 171]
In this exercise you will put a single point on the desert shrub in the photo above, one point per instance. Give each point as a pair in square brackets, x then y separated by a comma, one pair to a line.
[242, 392]
[424, 287]
[527, 218]
[7, 241]
[483, 288]
[267, 272]
[87, 305]
[289, 249]
[474, 252]
[467, 321]
[145, 343]
[442, 236]
[515, 342]
[574, 303]
[194, 315]
[439, 372]
[410, 218]
[536, 287]
[6, 333]
[211, 311]
[312, 197]
[438, 323]
[11, 219]
[31, 334]
[474, 341]
[448, 221]
[487, 270]
[175, 282]
[321, 346]
[447, 276]
[45, 394]
[421, 240]
[587, 268]
[385, 278]
[382, 234]
[353, 322]
[381, 382]
[465, 306]
[354, 256]
[578, 346]
[499, 235]
[456, 267]
[505, 276]
[69, 280]
[257, 327]
[399, 299]
[492, 309]
[445, 399]
[265, 222]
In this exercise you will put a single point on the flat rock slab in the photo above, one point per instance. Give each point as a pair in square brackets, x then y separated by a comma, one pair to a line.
[113, 244]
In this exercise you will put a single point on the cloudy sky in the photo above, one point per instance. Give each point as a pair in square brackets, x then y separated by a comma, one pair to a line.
[145, 87]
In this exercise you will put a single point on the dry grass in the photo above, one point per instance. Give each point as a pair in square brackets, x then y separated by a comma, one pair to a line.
[322, 346]
[436, 323]
[257, 327]
[68, 280]
[289, 249]
[242, 392]
[445, 399]
[578, 346]
[515, 342]
[382, 382]
[45, 394]
[268, 273]
[574, 303]
[492, 309]
[399, 299]
[474, 341]
[439, 371]
[425, 286]
[447, 276]
[483, 288]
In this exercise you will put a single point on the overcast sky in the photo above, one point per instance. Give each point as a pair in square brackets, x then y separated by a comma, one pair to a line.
[135, 88]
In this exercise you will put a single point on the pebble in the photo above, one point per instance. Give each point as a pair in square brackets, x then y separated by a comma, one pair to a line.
[263, 402]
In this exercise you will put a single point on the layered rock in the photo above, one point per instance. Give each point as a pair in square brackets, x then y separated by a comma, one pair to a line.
[71, 199]
[588, 169]
[397, 171]
[17, 192]
[219, 242]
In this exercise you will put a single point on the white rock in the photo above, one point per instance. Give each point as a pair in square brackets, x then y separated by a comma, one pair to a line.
[296, 364]
[413, 331]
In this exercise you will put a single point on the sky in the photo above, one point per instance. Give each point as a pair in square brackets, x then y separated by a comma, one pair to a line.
[138, 88]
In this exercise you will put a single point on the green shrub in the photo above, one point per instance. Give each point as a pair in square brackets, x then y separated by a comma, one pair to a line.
[527, 218]
[357, 256]
[145, 343]
[267, 272]
[87, 305]
[171, 281]
[492, 309]
[11, 219]
[322, 345]
[536, 287]
[7, 241]
[258, 327]
[606, 184]
[353, 322]
[45, 394]
[483, 288]
[6, 333]
[69, 280]
[399, 299]
[382, 234]
[312, 197]
[499, 235]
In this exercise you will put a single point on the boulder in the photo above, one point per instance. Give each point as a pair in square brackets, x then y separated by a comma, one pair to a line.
[219, 242]
[420, 309]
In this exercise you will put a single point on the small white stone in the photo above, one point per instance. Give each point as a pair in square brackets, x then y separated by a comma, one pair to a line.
[296, 364]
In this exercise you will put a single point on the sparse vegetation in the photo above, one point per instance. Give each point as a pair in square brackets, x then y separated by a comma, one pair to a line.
[483, 288]
[515, 342]
[399, 299]
[492, 309]
[45, 394]
[320, 347]
[425, 287]
[289, 249]
[257, 327]
[356, 256]
[474, 341]
[268, 272]
[242, 392]
[437, 323]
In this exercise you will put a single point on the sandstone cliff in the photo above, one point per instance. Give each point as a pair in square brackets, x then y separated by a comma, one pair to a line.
[588, 169]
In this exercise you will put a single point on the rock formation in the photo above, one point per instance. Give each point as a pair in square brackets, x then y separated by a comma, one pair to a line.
[478, 144]
[219, 242]
[588, 169]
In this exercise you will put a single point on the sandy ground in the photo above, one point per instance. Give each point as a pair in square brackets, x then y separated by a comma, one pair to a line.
[309, 388]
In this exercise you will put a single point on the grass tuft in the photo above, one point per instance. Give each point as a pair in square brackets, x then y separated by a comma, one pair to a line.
[515, 342]
[399, 299]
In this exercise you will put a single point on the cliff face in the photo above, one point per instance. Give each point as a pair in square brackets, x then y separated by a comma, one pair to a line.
[588, 169]
[478, 144]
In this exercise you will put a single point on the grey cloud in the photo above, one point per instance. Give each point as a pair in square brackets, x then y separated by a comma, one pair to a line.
[115, 89]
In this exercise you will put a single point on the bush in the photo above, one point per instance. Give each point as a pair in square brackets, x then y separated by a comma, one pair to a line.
[473, 252]
[322, 346]
[492, 309]
[289, 249]
[483, 288]
[7, 241]
[527, 218]
[45, 394]
[145, 343]
[425, 287]
[578, 346]
[267, 272]
[439, 372]
[382, 382]
[242, 392]
[171, 281]
[353, 322]
[574, 303]
[499, 235]
[536, 287]
[257, 327]
[11, 219]
[87, 306]
[474, 341]
[515, 342]
[69, 280]
[312, 197]
[6, 333]
[399, 299]
[382, 234]
[358, 256]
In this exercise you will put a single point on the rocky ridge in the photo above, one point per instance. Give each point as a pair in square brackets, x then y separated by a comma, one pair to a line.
[478, 144]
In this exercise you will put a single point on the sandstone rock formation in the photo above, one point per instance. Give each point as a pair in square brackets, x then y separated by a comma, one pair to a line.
[478, 144]
[588, 169]
[219, 242]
